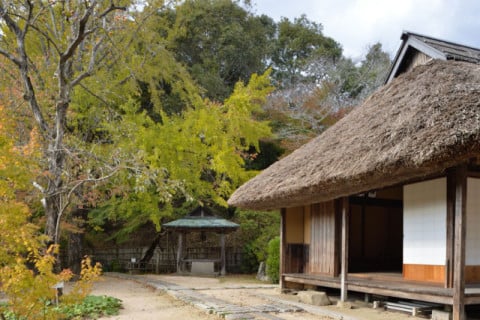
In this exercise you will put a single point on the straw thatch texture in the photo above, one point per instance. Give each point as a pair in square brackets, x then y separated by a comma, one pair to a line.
[420, 124]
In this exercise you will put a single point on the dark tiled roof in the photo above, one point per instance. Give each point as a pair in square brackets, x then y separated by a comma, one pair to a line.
[452, 51]
[431, 47]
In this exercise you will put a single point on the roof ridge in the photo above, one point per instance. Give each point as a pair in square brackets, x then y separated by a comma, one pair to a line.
[405, 33]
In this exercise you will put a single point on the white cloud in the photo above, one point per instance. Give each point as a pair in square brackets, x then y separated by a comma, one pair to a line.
[359, 23]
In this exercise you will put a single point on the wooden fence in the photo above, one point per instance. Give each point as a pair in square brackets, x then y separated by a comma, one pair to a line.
[163, 260]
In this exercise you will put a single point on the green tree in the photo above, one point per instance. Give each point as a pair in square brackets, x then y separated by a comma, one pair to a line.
[77, 65]
[298, 43]
[373, 69]
[257, 228]
[196, 156]
[23, 246]
[53, 47]
[303, 110]
[220, 42]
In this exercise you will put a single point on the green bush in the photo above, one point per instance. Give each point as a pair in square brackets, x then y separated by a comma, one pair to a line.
[256, 230]
[249, 262]
[273, 259]
[116, 266]
[92, 307]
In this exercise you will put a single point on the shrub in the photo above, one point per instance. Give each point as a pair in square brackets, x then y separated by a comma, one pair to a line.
[256, 230]
[273, 259]
[92, 307]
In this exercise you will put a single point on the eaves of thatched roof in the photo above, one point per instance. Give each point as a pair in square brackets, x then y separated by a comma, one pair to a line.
[418, 125]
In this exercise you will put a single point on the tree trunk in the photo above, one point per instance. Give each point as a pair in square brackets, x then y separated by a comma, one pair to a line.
[151, 250]
[52, 202]
[75, 241]
[55, 155]
[56, 164]
[75, 247]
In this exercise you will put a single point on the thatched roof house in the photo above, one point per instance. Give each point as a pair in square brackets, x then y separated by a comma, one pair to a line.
[420, 124]
[387, 200]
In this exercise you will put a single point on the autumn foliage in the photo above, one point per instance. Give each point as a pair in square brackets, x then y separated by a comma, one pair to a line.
[26, 263]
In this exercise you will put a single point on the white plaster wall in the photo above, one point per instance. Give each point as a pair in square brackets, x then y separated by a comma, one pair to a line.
[472, 254]
[424, 222]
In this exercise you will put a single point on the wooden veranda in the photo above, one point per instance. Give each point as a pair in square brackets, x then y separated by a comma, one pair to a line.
[389, 285]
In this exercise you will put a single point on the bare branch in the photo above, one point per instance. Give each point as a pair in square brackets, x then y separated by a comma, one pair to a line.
[47, 37]
[69, 195]
[9, 73]
[91, 64]
[54, 25]
[29, 21]
[22, 62]
[12, 25]
[81, 33]
[93, 94]
[112, 7]
[10, 57]
[38, 15]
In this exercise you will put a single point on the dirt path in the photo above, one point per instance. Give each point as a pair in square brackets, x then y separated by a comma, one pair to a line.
[142, 303]
[179, 297]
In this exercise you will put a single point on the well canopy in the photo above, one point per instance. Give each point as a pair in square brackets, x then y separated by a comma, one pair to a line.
[202, 219]
[418, 125]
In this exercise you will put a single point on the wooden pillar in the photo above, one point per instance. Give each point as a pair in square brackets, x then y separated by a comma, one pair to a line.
[344, 265]
[222, 255]
[283, 247]
[451, 187]
[459, 245]
[180, 251]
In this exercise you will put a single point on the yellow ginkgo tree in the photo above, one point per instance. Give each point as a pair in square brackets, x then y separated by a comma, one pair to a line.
[26, 262]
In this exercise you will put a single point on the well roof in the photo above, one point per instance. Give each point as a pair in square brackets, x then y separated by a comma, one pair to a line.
[419, 124]
[201, 219]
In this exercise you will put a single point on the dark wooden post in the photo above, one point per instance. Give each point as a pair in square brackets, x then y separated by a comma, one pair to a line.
[222, 254]
[451, 187]
[459, 246]
[283, 244]
[345, 222]
[180, 251]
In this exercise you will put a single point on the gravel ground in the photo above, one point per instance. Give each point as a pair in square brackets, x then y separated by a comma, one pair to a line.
[232, 297]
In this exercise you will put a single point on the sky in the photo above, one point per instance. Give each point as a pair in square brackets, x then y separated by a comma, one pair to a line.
[356, 24]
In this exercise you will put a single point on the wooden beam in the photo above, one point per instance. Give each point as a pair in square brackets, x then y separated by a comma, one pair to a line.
[362, 229]
[376, 202]
[459, 246]
[283, 248]
[180, 252]
[222, 255]
[343, 275]
[474, 174]
[337, 268]
[451, 187]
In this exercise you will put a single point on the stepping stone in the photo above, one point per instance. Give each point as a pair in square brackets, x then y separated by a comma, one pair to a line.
[315, 298]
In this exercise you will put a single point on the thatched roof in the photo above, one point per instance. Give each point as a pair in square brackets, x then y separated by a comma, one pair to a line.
[421, 123]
